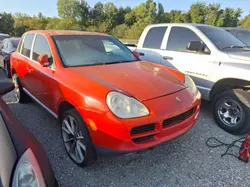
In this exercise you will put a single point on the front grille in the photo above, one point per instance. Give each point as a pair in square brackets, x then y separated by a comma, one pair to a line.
[142, 139]
[142, 129]
[178, 118]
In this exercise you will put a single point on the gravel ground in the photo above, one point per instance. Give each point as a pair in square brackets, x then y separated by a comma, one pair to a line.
[185, 161]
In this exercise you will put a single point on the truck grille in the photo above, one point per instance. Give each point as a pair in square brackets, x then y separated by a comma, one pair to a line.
[178, 118]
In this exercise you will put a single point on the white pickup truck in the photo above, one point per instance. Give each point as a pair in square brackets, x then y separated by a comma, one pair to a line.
[218, 62]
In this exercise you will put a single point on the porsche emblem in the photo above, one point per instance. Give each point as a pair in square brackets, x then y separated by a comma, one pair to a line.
[178, 99]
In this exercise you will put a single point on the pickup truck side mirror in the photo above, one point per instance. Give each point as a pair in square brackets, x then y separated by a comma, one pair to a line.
[195, 46]
[5, 87]
[43, 59]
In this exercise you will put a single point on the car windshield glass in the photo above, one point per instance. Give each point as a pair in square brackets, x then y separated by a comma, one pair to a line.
[15, 42]
[244, 36]
[222, 39]
[84, 50]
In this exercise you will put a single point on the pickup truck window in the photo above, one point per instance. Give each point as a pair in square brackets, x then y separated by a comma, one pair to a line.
[244, 36]
[41, 46]
[179, 38]
[154, 37]
[27, 45]
[222, 39]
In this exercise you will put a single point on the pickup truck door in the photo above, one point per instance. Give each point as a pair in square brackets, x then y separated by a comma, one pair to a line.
[150, 49]
[196, 64]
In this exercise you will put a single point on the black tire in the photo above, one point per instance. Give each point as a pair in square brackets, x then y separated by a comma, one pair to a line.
[236, 107]
[90, 154]
[20, 95]
[7, 69]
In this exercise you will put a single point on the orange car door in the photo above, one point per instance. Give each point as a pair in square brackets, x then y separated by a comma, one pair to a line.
[21, 62]
[42, 76]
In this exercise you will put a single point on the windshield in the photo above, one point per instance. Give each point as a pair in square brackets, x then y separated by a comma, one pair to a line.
[83, 50]
[15, 42]
[244, 36]
[221, 38]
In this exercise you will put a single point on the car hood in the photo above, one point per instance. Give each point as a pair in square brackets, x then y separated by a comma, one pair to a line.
[143, 80]
[242, 55]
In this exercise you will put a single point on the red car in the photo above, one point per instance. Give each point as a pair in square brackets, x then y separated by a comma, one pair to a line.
[106, 100]
[23, 160]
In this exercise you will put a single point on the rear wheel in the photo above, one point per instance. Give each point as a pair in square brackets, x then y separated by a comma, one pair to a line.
[20, 95]
[76, 139]
[232, 111]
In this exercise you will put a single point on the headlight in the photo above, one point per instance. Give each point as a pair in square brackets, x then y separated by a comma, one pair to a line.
[190, 84]
[28, 172]
[124, 106]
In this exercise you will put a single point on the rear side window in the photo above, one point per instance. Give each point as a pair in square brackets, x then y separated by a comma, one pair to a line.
[41, 46]
[27, 45]
[154, 37]
[179, 38]
[5, 44]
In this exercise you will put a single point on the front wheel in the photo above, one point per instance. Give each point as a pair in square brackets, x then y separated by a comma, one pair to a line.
[76, 139]
[231, 111]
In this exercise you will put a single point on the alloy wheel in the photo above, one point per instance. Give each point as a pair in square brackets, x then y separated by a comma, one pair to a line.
[73, 139]
[230, 112]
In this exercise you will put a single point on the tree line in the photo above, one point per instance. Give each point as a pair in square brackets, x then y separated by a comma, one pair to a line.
[122, 22]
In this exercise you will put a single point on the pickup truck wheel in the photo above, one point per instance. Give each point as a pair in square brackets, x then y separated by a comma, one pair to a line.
[76, 139]
[231, 111]
[20, 95]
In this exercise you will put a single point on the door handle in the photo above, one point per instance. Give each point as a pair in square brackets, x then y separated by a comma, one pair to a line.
[141, 54]
[168, 58]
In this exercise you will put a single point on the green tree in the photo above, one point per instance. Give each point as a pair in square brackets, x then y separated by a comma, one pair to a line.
[197, 12]
[246, 22]
[213, 13]
[6, 23]
[177, 16]
[120, 31]
[84, 14]
[230, 17]
[68, 9]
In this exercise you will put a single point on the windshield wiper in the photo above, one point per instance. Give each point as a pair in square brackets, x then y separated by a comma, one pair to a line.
[121, 61]
[233, 47]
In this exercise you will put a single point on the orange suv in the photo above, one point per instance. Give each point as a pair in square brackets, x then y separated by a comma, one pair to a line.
[106, 99]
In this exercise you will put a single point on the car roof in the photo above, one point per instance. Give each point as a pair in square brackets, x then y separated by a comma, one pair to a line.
[66, 32]
[12, 38]
[1, 34]
[236, 28]
[181, 24]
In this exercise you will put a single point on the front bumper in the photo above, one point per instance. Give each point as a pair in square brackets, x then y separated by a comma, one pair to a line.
[114, 136]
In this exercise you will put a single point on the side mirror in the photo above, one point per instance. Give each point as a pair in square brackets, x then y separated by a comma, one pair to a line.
[43, 60]
[195, 46]
[6, 87]
[137, 54]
